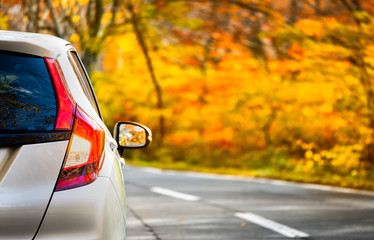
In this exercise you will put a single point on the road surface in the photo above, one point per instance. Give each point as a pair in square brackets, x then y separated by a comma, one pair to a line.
[171, 205]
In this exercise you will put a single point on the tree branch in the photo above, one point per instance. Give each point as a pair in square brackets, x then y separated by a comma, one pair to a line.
[57, 28]
[143, 46]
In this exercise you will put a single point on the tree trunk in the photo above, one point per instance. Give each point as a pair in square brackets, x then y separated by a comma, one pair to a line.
[143, 46]
[267, 126]
[317, 8]
[294, 10]
[57, 26]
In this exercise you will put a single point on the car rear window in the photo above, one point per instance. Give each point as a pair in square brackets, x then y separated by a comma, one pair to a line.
[27, 97]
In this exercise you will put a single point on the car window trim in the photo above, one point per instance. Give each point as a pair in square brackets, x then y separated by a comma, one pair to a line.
[89, 92]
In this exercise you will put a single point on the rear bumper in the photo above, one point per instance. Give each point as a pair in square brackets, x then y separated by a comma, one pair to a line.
[90, 212]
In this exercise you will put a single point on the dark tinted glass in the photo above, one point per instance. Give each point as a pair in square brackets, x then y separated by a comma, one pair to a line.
[27, 98]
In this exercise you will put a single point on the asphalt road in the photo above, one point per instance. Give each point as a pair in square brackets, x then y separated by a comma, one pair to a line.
[172, 205]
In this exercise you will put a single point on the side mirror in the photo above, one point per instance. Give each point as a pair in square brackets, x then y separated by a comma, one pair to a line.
[131, 135]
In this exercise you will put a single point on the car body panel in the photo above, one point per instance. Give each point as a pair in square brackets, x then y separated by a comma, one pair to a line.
[34, 44]
[89, 212]
[28, 176]
[113, 169]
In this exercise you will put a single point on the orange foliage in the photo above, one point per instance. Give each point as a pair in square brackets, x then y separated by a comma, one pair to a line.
[298, 91]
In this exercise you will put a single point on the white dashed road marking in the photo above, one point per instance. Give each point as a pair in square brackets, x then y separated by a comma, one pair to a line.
[175, 194]
[250, 217]
[274, 226]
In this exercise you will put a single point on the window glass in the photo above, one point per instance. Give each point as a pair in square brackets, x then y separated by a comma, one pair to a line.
[27, 98]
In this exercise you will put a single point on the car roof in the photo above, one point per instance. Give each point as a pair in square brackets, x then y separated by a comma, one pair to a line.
[33, 43]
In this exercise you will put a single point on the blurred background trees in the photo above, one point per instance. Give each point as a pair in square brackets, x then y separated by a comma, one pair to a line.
[269, 88]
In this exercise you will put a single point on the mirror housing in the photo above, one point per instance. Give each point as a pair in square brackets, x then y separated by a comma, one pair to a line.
[131, 135]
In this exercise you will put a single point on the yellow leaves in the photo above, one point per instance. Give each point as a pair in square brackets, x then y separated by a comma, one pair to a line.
[107, 17]
[326, 53]
[357, 147]
[127, 43]
[69, 3]
[312, 28]
[362, 16]
[369, 52]
[340, 157]
[351, 80]
[309, 154]
[366, 135]
[317, 157]
[370, 60]
[308, 93]
[344, 157]
[306, 146]
[308, 165]
[326, 108]
[330, 23]
[236, 62]
[75, 19]
[293, 66]
[74, 38]
[308, 111]
[339, 123]
[3, 21]
[340, 160]
[354, 173]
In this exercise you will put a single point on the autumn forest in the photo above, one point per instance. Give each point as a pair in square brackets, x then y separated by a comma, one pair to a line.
[273, 88]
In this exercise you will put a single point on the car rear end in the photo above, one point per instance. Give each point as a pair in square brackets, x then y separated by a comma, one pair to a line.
[60, 172]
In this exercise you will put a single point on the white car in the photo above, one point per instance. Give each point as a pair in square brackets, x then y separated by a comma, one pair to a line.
[61, 176]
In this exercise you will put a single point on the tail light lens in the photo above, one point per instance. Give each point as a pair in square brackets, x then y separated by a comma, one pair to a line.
[82, 159]
[65, 106]
[84, 153]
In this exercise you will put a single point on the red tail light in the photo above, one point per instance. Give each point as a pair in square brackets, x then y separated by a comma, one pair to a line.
[86, 145]
[65, 106]
[84, 153]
